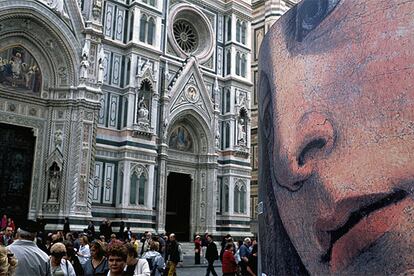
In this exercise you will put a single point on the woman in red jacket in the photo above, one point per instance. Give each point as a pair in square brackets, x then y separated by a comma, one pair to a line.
[229, 265]
[197, 249]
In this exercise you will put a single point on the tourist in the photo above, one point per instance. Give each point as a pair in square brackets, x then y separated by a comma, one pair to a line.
[117, 258]
[244, 255]
[211, 255]
[59, 266]
[3, 222]
[10, 223]
[8, 262]
[121, 230]
[155, 260]
[113, 240]
[197, 249]
[84, 253]
[91, 228]
[98, 263]
[229, 265]
[128, 234]
[31, 260]
[72, 258]
[252, 263]
[173, 255]
[145, 244]
[135, 266]
[135, 242]
[66, 226]
[7, 237]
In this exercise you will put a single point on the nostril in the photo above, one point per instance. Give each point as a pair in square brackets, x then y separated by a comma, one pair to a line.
[315, 144]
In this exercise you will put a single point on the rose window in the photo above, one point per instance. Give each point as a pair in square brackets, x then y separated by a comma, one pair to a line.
[185, 35]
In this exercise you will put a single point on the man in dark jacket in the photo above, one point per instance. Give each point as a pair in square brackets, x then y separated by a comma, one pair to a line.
[211, 255]
[173, 255]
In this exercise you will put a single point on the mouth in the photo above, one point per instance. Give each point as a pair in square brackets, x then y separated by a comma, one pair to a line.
[362, 229]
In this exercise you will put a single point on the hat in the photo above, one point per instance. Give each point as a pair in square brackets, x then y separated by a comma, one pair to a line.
[30, 226]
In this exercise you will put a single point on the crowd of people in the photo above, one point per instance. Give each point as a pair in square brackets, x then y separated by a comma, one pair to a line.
[29, 250]
[238, 258]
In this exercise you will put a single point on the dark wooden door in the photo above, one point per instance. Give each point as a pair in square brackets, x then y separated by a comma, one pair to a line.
[178, 205]
[16, 161]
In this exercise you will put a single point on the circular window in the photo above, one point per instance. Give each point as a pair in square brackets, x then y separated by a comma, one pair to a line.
[185, 35]
[190, 32]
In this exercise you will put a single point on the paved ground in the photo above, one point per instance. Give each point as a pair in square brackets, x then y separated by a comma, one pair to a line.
[195, 271]
[189, 269]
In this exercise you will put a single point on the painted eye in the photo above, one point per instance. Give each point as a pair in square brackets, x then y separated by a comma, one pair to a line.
[310, 13]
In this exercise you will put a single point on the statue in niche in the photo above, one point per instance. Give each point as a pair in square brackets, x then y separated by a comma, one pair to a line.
[84, 68]
[85, 62]
[54, 179]
[58, 138]
[142, 109]
[217, 138]
[101, 57]
[241, 133]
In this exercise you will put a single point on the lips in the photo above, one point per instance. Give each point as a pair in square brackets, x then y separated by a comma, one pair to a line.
[362, 229]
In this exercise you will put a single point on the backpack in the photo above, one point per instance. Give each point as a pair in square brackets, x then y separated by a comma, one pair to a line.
[153, 265]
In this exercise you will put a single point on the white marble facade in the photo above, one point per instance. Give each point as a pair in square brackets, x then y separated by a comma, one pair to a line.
[129, 92]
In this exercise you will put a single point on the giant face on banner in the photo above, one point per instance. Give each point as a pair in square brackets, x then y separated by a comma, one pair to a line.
[336, 107]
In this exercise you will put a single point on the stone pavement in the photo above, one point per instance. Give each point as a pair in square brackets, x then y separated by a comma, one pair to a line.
[188, 267]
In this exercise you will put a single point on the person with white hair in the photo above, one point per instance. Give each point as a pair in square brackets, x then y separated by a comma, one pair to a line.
[244, 253]
[32, 260]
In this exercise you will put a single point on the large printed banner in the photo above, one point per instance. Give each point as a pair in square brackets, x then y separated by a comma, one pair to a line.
[336, 105]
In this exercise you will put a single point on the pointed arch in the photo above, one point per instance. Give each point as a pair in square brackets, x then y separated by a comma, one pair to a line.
[138, 185]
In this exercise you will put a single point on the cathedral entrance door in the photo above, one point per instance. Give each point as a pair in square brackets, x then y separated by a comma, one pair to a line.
[16, 161]
[178, 205]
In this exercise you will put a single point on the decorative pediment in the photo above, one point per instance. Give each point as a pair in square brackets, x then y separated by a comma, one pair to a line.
[190, 91]
[55, 157]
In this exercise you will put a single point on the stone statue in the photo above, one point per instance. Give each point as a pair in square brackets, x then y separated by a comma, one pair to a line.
[58, 138]
[336, 155]
[241, 133]
[84, 68]
[101, 57]
[54, 177]
[165, 127]
[142, 109]
[217, 138]
[57, 6]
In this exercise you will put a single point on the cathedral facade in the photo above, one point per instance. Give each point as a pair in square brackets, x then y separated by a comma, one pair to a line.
[129, 110]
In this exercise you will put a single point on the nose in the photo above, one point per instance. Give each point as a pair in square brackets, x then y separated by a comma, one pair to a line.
[313, 139]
